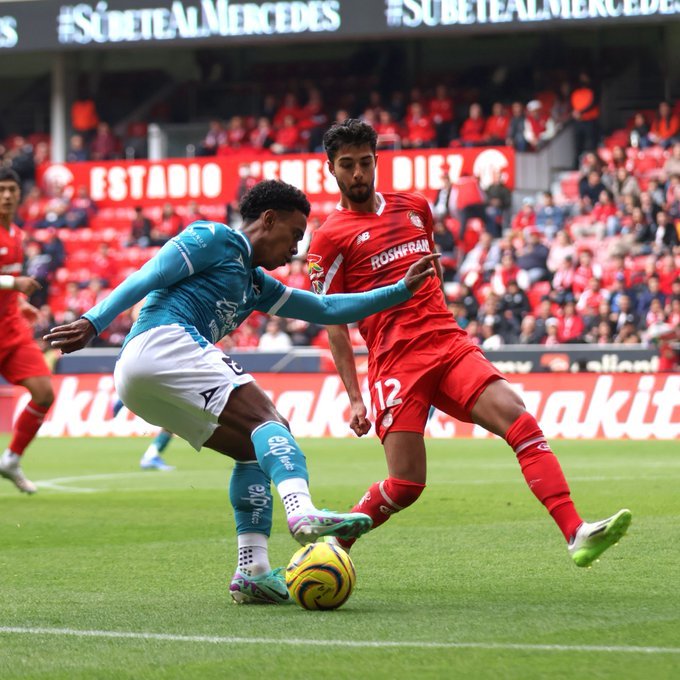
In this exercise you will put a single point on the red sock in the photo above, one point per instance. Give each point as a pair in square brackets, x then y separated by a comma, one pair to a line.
[384, 499]
[27, 426]
[543, 473]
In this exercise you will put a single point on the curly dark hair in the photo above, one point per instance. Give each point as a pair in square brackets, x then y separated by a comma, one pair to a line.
[351, 132]
[9, 175]
[272, 194]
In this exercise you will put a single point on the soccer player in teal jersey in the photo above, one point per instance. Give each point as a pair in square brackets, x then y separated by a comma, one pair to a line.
[200, 286]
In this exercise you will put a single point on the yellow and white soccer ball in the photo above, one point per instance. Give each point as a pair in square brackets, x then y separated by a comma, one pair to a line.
[320, 576]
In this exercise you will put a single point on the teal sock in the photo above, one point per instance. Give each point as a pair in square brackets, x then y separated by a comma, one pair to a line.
[251, 498]
[278, 453]
[162, 439]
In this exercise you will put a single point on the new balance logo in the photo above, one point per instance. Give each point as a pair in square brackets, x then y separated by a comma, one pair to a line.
[386, 510]
[208, 395]
[362, 238]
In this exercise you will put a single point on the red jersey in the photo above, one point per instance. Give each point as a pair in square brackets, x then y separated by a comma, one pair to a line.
[11, 262]
[355, 251]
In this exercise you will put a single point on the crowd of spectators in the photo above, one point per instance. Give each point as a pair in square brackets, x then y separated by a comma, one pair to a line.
[598, 265]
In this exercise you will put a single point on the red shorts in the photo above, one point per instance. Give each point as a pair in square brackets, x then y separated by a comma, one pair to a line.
[21, 360]
[448, 372]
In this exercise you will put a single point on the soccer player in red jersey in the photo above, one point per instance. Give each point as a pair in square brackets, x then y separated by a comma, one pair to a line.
[418, 356]
[21, 361]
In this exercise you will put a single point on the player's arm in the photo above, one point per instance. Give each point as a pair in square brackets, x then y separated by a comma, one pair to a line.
[343, 356]
[348, 307]
[178, 259]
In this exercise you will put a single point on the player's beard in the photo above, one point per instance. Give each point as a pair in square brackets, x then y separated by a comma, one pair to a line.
[357, 194]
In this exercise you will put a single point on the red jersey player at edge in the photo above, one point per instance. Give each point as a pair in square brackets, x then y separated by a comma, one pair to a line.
[418, 355]
[21, 361]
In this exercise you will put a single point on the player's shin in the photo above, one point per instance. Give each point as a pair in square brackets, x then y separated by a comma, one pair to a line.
[384, 499]
[283, 462]
[251, 498]
[26, 427]
[543, 473]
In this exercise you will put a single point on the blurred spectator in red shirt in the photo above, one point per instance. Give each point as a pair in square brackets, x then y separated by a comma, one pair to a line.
[313, 120]
[105, 145]
[539, 127]
[262, 136]
[289, 108]
[193, 213]
[496, 126]
[472, 129]
[214, 138]
[287, 138]
[236, 136]
[84, 118]
[665, 126]
[570, 326]
[526, 217]
[103, 265]
[297, 276]
[169, 225]
[140, 229]
[585, 271]
[389, 132]
[441, 112]
[420, 130]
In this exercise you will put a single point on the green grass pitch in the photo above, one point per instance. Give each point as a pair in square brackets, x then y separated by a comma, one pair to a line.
[110, 572]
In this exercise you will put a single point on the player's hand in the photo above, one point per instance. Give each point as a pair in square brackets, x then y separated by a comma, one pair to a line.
[26, 285]
[359, 423]
[72, 336]
[419, 272]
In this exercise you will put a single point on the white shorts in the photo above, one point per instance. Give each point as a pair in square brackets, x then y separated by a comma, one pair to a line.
[177, 380]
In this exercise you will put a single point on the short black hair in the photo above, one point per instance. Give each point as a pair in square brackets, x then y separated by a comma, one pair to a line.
[9, 175]
[351, 132]
[272, 194]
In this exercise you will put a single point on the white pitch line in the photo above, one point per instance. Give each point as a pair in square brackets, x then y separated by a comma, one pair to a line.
[377, 644]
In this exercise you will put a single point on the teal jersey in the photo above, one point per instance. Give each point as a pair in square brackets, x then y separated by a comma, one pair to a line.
[203, 280]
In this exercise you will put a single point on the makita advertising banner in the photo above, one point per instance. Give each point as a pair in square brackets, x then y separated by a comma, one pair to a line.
[216, 179]
[574, 406]
[53, 24]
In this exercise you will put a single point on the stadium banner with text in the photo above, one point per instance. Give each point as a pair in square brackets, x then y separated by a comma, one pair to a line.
[579, 406]
[32, 25]
[216, 179]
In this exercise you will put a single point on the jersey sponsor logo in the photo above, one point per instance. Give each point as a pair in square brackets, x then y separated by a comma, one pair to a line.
[362, 238]
[316, 272]
[397, 252]
[208, 395]
[415, 219]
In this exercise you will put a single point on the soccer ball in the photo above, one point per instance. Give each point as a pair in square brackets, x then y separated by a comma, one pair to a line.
[320, 576]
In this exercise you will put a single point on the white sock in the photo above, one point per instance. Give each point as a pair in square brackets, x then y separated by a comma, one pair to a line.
[10, 458]
[295, 496]
[150, 453]
[253, 556]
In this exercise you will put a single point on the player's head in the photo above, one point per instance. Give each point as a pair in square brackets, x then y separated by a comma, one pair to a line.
[350, 147]
[274, 219]
[10, 193]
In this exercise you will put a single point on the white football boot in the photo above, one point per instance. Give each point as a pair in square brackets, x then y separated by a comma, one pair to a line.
[10, 469]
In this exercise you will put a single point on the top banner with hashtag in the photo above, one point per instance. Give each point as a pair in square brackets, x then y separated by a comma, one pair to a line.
[33, 25]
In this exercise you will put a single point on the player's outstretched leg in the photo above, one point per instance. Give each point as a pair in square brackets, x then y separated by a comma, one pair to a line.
[254, 581]
[152, 459]
[10, 468]
[284, 463]
[593, 538]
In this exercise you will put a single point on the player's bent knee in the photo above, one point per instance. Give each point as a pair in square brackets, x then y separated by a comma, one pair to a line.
[401, 492]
